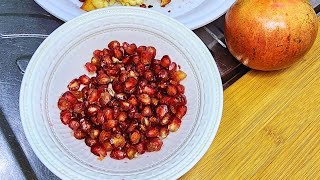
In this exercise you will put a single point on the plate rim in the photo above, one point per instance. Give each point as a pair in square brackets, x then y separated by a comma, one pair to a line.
[38, 52]
[208, 18]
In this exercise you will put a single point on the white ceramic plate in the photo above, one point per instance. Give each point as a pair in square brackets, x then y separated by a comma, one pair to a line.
[61, 57]
[192, 13]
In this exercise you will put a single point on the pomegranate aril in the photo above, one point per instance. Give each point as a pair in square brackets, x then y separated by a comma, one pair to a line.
[74, 85]
[112, 71]
[96, 61]
[181, 111]
[125, 106]
[117, 86]
[153, 132]
[154, 120]
[93, 110]
[146, 57]
[99, 119]
[133, 100]
[78, 95]
[180, 89]
[147, 111]
[152, 50]
[105, 98]
[93, 96]
[118, 141]
[130, 49]
[94, 133]
[131, 153]
[103, 79]
[149, 90]
[154, 101]
[107, 146]
[165, 61]
[126, 60]
[154, 144]
[108, 113]
[163, 75]
[174, 124]
[141, 147]
[135, 137]
[132, 127]
[145, 99]
[165, 120]
[79, 134]
[90, 142]
[173, 67]
[104, 136]
[99, 150]
[161, 111]
[122, 116]
[91, 68]
[64, 104]
[114, 44]
[140, 49]
[85, 125]
[148, 74]
[172, 90]
[65, 117]
[118, 53]
[164, 132]
[70, 97]
[117, 154]
[97, 53]
[140, 68]
[74, 124]
[179, 75]
[109, 124]
[107, 60]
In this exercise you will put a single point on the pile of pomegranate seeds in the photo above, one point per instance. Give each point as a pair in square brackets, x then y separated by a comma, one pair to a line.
[129, 105]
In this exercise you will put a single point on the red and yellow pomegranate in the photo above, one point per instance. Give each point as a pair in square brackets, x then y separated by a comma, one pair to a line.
[270, 34]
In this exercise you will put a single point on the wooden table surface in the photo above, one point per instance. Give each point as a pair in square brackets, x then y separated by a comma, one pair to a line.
[270, 127]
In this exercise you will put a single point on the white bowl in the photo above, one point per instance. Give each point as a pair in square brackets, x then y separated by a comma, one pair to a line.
[61, 57]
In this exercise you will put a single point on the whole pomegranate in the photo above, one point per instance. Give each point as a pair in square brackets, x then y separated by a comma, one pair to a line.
[270, 34]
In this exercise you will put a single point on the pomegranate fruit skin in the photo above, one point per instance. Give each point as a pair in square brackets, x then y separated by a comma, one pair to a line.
[270, 35]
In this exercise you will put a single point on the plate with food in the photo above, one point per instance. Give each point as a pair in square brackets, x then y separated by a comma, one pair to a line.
[192, 13]
[111, 97]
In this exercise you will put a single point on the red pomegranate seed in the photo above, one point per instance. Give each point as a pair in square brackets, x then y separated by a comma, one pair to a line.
[103, 79]
[135, 137]
[108, 113]
[154, 101]
[153, 132]
[145, 99]
[141, 147]
[140, 68]
[173, 67]
[118, 141]
[180, 89]
[117, 86]
[161, 111]
[79, 134]
[94, 133]
[140, 49]
[100, 118]
[114, 44]
[64, 104]
[181, 111]
[70, 97]
[107, 59]
[165, 120]
[130, 49]
[90, 142]
[112, 71]
[156, 68]
[93, 110]
[109, 124]
[154, 144]
[172, 90]
[131, 153]
[74, 85]
[99, 150]
[104, 136]
[85, 125]
[146, 111]
[78, 95]
[163, 75]
[122, 116]
[93, 96]
[149, 90]
[117, 154]
[65, 117]
[152, 50]
[154, 120]
[174, 124]
[96, 61]
[107, 146]
[105, 98]
[133, 101]
[148, 74]
[118, 53]
[74, 124]
[91, 68]
[146, 57]
[132, 127]
[97, 53]
[165, 61]
[164, 132]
